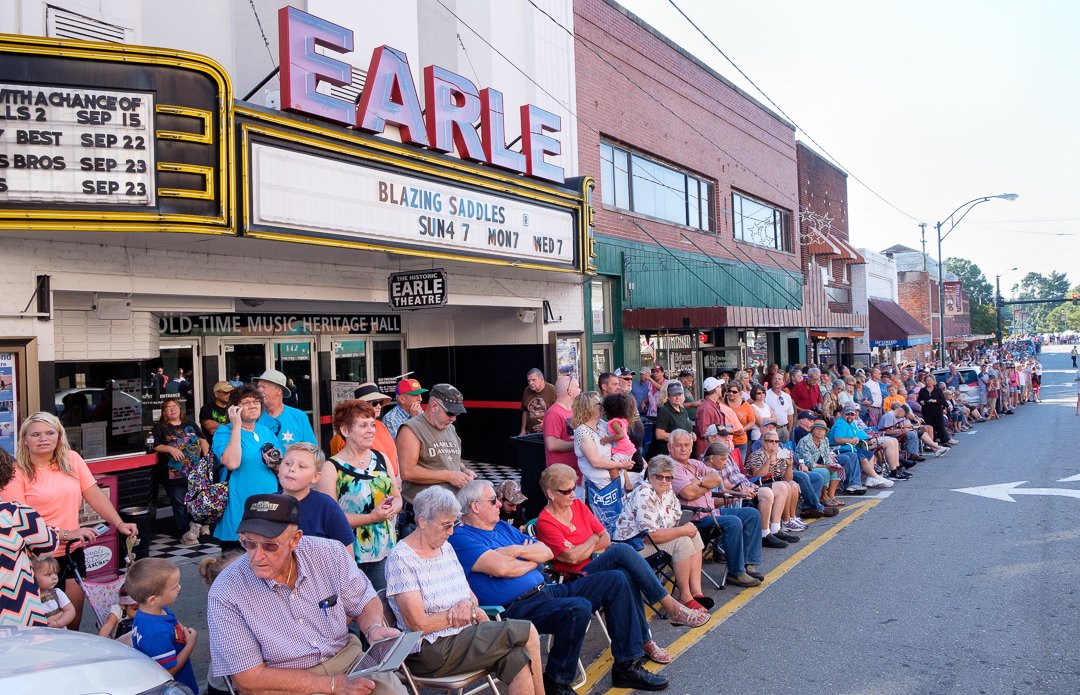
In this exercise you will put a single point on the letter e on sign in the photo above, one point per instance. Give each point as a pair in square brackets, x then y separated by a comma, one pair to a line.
[302, 68]
[536, 123]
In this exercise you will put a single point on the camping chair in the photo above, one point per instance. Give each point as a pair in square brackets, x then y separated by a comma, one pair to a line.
[712, 545]
[456, 683]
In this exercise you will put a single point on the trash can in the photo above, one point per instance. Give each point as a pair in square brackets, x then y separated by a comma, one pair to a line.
[143, 518]
[531, 463]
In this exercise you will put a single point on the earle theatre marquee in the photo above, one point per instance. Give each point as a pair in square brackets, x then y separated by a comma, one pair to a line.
[109, 137]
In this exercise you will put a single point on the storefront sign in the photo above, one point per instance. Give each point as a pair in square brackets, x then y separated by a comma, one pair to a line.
[63, 144]
[389, 97]
[363, 204]
[9, 404]
[417, 290]
[953, 295]
[277, 324]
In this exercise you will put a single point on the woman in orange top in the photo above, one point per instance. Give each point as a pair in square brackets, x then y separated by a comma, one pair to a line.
[55, 481]
[741, 440]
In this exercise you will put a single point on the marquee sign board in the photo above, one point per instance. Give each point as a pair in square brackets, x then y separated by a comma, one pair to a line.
[96, 137]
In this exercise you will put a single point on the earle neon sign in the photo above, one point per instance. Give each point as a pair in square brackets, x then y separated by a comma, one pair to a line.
[390, 97]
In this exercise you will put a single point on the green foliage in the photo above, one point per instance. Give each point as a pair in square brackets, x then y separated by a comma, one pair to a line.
[979, 291]
[982, 319]
[1044, 318]
[1065, 317]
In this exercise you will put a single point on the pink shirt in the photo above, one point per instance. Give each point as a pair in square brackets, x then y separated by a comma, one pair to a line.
[56, 496]
[623, 446]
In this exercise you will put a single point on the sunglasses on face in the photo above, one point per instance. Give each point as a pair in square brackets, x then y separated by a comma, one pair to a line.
[772, 441]
[567, 492]
[449, 525]
[267, 546]
[665, 478]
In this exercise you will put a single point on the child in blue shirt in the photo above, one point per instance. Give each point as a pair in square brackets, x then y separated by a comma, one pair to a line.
[155, 584]
[320, 515]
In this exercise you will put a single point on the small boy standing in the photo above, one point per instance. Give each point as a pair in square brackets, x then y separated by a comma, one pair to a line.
[154, 583]
[320, 515]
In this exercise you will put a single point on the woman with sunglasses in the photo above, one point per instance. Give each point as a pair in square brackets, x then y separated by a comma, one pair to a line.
[747, 418]
[250, 453]
[650, 515]
[581, 544]
[772, 463]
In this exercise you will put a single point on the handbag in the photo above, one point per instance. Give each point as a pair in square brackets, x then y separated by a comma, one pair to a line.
[207, 498]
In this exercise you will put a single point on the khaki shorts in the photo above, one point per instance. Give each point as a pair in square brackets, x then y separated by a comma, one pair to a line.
[385, 683]
[679, 548]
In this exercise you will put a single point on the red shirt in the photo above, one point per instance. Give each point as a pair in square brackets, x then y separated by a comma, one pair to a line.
[556, 535]
[807, 396]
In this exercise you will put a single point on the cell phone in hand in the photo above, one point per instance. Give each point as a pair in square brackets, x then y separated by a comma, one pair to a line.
[101, 528]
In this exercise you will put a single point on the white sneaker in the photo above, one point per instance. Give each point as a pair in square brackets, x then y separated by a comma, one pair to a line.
[876, 481]
[792, 525]
[938, 453]
[886, 482]
[953, 441]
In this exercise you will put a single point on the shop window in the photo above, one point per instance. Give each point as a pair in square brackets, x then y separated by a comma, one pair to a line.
[601, 306]
[107, 408]
[759, 223]
[633, 182]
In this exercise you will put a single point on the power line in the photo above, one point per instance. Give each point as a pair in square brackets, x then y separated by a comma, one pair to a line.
[266, 41]
[789, 118]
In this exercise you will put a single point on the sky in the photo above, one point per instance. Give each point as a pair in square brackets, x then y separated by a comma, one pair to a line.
[930, 104]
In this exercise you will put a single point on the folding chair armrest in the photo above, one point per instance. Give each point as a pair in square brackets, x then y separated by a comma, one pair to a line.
[493, 612]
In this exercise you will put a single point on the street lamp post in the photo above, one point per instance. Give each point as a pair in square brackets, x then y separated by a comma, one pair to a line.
[966, 207]
[997, 303]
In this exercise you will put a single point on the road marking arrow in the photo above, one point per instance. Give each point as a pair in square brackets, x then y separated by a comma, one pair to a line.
[1005, 491]
[1070, 479]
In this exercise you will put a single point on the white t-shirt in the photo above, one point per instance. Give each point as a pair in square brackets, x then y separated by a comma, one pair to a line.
[781, 406]
[598, 476]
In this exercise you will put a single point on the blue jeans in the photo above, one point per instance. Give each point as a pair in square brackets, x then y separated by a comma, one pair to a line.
[810, 486]
[564, 611]
[852, 469]
[175, 490]
[912, 441]
[643, 581]
[741, 539]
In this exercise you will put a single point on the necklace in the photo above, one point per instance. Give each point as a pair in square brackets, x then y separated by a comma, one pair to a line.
[569, 524]
[292, 566]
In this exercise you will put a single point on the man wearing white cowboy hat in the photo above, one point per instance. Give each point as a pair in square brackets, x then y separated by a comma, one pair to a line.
[289, 424]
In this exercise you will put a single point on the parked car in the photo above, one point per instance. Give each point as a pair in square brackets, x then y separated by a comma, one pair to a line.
[969, 383]
[45, 660]
[92, 397]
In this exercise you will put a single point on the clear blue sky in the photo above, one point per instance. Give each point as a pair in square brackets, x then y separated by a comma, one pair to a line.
[931, 103]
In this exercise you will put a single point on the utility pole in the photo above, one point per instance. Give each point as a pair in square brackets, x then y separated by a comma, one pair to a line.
[922, 226]
[997, 308]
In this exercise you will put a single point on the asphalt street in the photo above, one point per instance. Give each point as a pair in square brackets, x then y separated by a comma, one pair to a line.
[932, 590]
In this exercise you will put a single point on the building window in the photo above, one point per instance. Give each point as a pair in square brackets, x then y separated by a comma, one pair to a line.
[601, 306]
[633, 182]
[759, 223]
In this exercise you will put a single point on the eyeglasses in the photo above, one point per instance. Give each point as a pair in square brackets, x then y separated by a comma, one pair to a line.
[665, 478]
[249, 402]
[494, 501]
[267, 547]
[627, 378]
[448, 525]
[772, 441]
[567, 492]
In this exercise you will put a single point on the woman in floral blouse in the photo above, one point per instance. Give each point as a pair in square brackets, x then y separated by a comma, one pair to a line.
[651, 513]
[366, 488]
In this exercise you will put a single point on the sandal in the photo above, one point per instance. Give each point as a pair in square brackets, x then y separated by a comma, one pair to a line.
[837, 503]
[831, 503]
[688, 617]
[656, 653]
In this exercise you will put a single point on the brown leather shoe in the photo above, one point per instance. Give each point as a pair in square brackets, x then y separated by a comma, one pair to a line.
[830, 511]
[813, 514]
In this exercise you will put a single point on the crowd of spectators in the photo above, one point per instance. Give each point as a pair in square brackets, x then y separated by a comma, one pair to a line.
[394, 531]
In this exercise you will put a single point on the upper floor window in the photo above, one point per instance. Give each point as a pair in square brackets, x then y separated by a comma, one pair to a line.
[759, 223]
[632, 182]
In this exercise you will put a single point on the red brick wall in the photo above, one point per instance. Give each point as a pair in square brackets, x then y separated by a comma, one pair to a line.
[823, 191]
[913, 293]
[738, 145]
